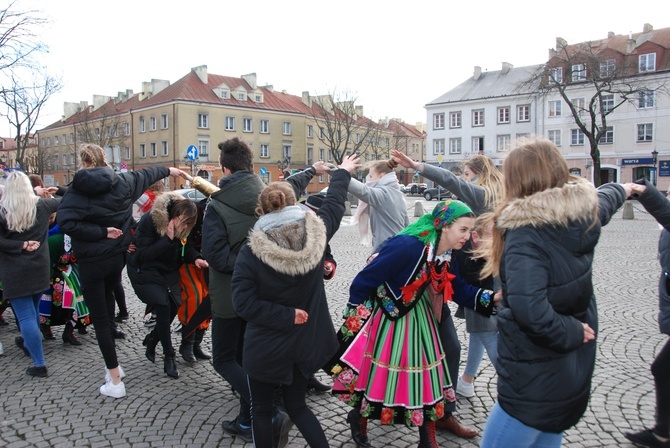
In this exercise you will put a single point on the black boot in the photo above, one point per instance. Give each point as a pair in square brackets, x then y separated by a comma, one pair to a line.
[359, 428]
[46, 332]
[427, 435]
[170, 366]
[197, 346]
[186, 348]
[316, 386]
[68, 335]
[150, 342]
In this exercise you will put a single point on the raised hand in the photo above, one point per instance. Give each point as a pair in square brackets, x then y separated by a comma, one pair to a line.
[404, 160]
[350, 162]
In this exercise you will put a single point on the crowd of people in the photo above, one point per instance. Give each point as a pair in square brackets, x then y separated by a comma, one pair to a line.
[514, 252]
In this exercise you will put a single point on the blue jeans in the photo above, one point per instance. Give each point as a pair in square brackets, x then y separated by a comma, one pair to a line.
[478, 342]
[502, 431]
[25, 309]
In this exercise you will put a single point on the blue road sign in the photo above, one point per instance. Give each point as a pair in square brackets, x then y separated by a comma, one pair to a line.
[263, 171]
[192, 152]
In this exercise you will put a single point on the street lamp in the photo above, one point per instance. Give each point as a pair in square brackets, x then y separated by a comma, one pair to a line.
[283, 165]
[654, 157]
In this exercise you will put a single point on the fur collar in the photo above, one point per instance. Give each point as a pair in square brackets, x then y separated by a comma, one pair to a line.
[159, 213]
[577, 200]
[294, 248]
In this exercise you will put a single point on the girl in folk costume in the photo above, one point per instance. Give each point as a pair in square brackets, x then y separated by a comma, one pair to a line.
[395, 369]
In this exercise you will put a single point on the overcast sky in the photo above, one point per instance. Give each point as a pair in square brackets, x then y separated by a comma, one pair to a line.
[393, 56]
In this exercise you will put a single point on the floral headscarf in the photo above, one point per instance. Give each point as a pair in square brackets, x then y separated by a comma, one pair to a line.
[444, 213]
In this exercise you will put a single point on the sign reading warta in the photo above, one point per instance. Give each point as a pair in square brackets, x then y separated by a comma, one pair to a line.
[641, 161]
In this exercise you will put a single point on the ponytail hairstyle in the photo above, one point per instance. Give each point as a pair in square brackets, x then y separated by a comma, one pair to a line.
[18, 203]
[489, 177]
[275, 196]
[384, 167]
[92, 156]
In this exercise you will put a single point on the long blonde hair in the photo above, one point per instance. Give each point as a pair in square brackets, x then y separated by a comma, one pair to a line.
[489, 178]
[533, 167]
[17, 204]
[92, 156]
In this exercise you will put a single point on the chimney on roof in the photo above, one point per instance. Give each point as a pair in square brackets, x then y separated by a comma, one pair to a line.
[561, 43]
[552, 53]
[477, 73]
[358, 111]
[306, 99]
[647, 27]
[201, 71]
[251, 80]
[506, 67]
[99, 101]
[630, 44]
[610, 34]
[270, 87]
[69, 109]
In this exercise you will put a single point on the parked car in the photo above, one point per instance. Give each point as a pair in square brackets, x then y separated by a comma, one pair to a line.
[402, 188]
[438, 193]
[415, 188]
[190, 193]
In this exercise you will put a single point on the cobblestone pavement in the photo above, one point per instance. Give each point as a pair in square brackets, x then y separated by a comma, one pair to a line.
[67, 410]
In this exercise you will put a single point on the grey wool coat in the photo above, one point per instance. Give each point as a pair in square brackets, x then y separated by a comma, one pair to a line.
[26, 273]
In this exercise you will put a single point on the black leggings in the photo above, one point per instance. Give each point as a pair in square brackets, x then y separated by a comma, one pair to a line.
[120, 298]
[294, 401]
[165, 314]
[98, 280]
[660, 368]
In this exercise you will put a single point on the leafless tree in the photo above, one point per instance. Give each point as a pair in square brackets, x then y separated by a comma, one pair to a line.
[343, 128]
[611, 78]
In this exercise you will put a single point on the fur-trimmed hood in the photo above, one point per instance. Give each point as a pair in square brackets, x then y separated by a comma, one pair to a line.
[159, 211]
[575, 201]
[294, 248]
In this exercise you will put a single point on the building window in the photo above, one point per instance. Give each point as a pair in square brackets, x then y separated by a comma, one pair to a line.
[504, 142]
[126, 129]
[523, 112]
[164, 148]
[55, 140]
[607, 68]
[286, 128]
[286, 151]
[310, 131]
[203, 121]
[576, 137]
[554, 136]
[556, 75]
[555, 108]
[578, 72]
[152, 123]
[357, 137]
[455, 146]
[647, 62]
[64, 159]
[478, 145]
[143, 151]
[322, 154]
[503, 115]
[322, 133]
[454, 120]
[330, 155]
[259, 98]
[438, 146]
[265, 150]
[126, 152]
[579, 104]
[71, 139]
[310, 155]
[438, 121]
[241, 96]
[608, 136]
[164, 121]
[478, 117]
[247, 125]
[608, 103]
[143, 125]
[230, 123]
[646, 99]
[645, 132]
[522, 138]
[265, 126]
[154, 152]
[203, 147]
[97, 134]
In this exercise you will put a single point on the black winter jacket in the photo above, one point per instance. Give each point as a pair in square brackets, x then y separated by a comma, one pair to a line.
[659, 207]
[153, 268]
[281, 270]
[544, 368]
[99, 198]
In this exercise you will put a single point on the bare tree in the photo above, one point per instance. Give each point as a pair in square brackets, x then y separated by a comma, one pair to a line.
[610, 78]
[343, 128]
[23, 105]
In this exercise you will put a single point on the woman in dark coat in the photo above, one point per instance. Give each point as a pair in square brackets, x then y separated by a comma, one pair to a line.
[544, 235]
[278, 289]
[153, 267]
[96, 211]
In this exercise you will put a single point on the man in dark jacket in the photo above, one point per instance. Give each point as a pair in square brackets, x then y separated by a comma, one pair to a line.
[658, 207]
[229, 216]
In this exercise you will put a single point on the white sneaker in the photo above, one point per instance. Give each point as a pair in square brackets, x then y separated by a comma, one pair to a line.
[465, 389]
[108, 377]
[113, 390]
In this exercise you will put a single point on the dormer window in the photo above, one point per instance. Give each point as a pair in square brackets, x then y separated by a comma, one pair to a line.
[647, 62]
[240, 94]
[222, 91]
[225, 94]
